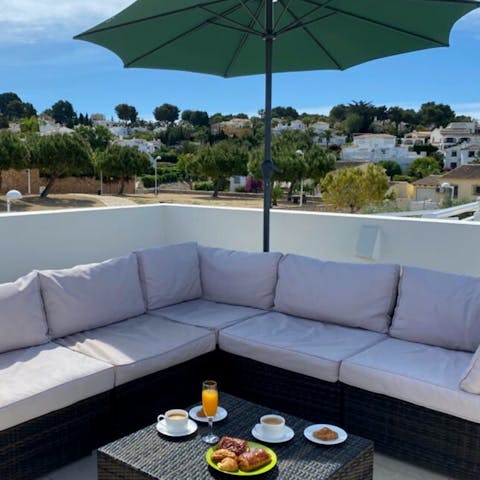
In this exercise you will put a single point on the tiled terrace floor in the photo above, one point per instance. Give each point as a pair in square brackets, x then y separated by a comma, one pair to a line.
[385, 468]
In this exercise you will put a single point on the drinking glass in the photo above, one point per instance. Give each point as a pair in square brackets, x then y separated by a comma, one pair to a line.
[210, 405]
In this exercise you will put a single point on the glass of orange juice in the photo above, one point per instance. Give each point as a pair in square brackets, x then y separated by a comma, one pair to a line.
[210, 405]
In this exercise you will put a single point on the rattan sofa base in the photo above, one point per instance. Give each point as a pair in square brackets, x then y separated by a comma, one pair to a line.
[43, 444]
[290, 392]
[439, 442]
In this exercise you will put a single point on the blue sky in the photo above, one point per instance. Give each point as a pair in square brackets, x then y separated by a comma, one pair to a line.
[42, 64]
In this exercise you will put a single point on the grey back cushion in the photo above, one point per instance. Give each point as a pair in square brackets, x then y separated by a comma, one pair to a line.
[90, 296]
[437, 308]
[239, 278]
[350, 294]
[22, 318]
[170, 274]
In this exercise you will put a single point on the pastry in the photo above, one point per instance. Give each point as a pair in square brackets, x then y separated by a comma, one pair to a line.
[325, 434]
[221, 453]
[253, 459]
[201, 413]
[235, 445]
[228, 465]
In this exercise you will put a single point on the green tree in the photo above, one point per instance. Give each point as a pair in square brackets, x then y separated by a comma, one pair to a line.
[98, 137]
[285, 112]
[58, 155]
[126, 112]
[296, 157]
[353, 188]
[30, 125]
[352, 123]
[5, 99]
[166, 113]
[435, 114]
[218, 162]
[63, 113]
[13, 153]
[391, 167]
[423, 167]
[123, 163]
[197, 118]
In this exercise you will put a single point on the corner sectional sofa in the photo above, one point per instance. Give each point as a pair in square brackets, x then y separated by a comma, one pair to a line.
[93, 352]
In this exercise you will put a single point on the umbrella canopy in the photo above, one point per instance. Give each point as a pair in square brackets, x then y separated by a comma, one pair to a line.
[232, 38]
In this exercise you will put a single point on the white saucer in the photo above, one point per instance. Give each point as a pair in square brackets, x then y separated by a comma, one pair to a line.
[288, 434]
[191, 428]
[220, 415]
[342, 434]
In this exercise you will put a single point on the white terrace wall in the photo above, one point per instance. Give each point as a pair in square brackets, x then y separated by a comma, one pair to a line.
[444, 245]
[66, 238]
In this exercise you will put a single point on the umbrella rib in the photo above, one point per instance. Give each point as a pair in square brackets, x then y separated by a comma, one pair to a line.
[295, 25]
[181, 35]
[254, 17]
[146, 19]
[242, 29]
[299, 22]
[240, 26]
[382, 24]
[241, 44]
[318, 43]
[277, 22]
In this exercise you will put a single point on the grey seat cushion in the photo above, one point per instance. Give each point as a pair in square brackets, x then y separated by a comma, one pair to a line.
[350, 294]
[420, 374]
[142, 345]
[39, 380]
[304, 346]
[22, 317]
[437, 308]
[89, 296]
[169, 274]
[203, 313]
[239, 278]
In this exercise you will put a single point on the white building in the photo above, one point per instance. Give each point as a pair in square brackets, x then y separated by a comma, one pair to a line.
[144, 146]
[462, 154]
[454, 134]
[376, 147]
[416, 138]
[324, 135]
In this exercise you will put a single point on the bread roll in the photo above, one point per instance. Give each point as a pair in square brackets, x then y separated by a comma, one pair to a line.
[253, 459]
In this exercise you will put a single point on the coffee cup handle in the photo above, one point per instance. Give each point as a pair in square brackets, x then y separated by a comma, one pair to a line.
[160, 417]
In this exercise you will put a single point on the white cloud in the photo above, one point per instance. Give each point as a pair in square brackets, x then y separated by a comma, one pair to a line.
[32, 21]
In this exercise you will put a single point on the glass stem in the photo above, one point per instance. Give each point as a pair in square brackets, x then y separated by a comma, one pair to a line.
[210, 422]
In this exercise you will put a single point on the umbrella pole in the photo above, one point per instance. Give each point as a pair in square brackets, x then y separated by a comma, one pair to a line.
[267, 164]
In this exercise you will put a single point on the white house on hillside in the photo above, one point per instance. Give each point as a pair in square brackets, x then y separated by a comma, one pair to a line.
[376, 147]
[416, 138]
[462, 154]
[144, 146]
[455, 133]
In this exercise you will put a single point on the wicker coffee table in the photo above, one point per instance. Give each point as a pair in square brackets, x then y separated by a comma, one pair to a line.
[147, 455]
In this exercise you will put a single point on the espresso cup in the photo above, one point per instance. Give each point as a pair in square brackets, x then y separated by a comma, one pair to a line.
[272, 426]
[176, 420]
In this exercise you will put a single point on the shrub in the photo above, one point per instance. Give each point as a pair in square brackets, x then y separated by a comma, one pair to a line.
[204, 186]
[240, 189]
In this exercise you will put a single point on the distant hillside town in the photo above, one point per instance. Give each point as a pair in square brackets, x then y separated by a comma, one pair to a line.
[423, 148]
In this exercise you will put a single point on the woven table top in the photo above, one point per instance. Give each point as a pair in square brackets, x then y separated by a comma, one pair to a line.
[150, 455]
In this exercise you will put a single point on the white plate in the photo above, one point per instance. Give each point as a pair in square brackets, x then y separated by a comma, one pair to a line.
[220, 415]
[342, 434]
[288, 434]
[191, 428]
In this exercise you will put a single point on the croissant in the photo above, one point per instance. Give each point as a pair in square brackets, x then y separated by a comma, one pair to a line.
[253, 459]
[235, 445]
[221, 453]
[228, 465]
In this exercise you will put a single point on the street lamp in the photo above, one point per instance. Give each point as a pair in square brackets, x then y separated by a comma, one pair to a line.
[157, 159]
[301, 154]
[12, 195]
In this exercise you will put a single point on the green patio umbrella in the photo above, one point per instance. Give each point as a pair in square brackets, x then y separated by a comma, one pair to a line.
[232, 38]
